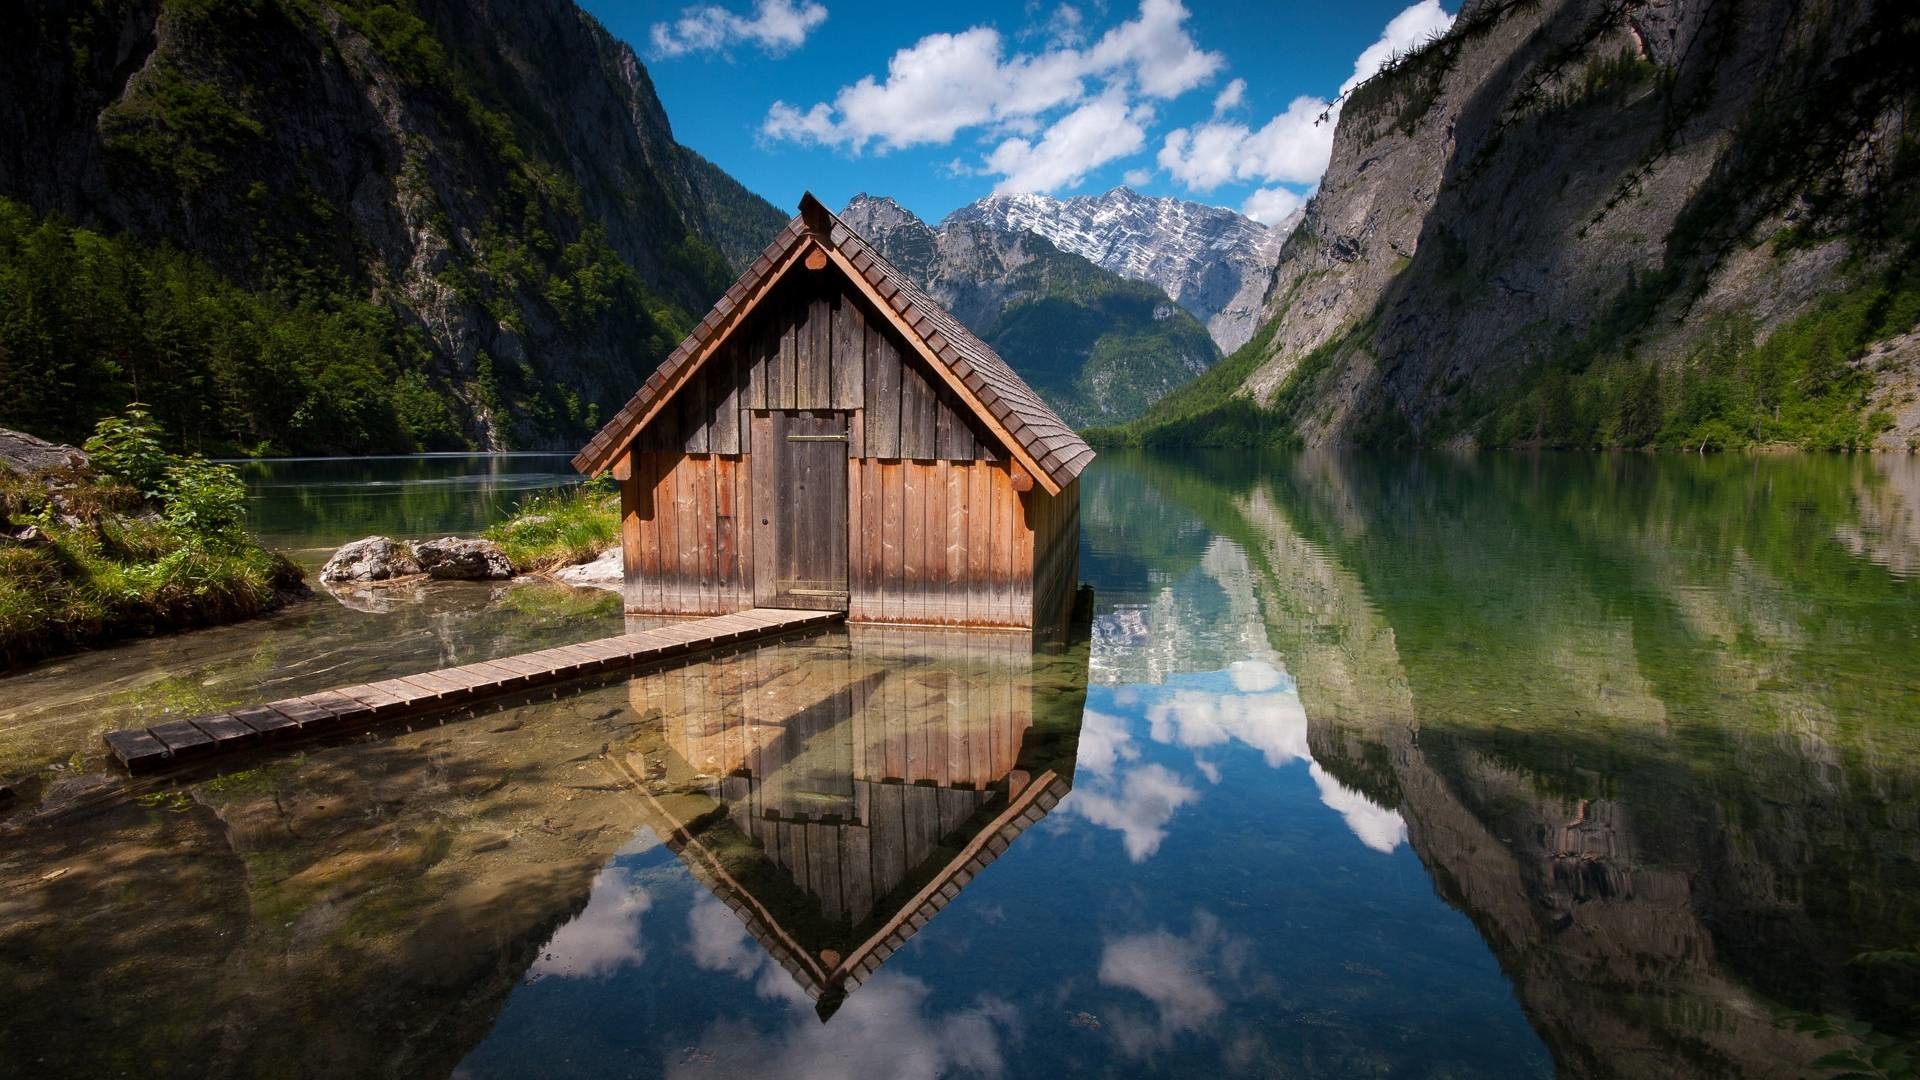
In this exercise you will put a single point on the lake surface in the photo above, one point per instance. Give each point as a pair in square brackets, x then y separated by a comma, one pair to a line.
[310, 506]
[1453, 766]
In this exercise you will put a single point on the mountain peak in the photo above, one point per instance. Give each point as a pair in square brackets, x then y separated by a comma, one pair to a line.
[1212, 261]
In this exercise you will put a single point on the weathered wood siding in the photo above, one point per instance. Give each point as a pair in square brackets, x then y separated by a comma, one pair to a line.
[809, 348]
[1056, 541]
[938, 542]
[936, 533]
[687, 533]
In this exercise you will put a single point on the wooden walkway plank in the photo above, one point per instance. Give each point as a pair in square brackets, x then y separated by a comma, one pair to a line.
[342, 707]
[300, 711]
[381, 702]
[225, 729]
[265, 721]
[181, 737]
[149, 748]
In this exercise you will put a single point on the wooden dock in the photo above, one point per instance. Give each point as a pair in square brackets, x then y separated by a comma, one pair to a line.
[177, 741]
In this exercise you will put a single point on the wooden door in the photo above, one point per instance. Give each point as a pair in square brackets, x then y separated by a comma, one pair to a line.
[809, 510]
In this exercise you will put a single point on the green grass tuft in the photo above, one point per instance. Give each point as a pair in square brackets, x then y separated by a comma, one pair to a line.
[561, 528]
[107, 567]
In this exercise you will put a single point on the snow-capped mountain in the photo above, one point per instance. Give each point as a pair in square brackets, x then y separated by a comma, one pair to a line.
[1101, 348]
[1211, 261]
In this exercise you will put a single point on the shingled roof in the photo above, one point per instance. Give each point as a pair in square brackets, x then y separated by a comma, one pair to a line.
[1001, 398]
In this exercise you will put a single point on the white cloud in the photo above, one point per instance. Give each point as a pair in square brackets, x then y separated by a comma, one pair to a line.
[1271, 721]
[1102, 130]
[603, 938]
[718, 942]
[1255, 676]
[1104, 743]
[1405, 32]
[947, 83]
[1139, 810]
[884, 1029]
[1136, 177]
[1271, 206]
[1293, 146]
[1066, 27]
[1263, 711]
[1179, 975]
[1165, 970]
[1157, 50]
[1375, 826]
[1230, 97]
[777, 26]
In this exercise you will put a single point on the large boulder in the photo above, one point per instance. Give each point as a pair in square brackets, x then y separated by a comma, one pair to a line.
[376, 558]
[451, 558]
[25, 453]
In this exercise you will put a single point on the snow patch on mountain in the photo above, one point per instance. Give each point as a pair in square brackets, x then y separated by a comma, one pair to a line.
[1213, 262]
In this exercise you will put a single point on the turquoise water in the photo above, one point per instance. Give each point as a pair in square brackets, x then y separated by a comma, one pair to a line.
[1426, 766]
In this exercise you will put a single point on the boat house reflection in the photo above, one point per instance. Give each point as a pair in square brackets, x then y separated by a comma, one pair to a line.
[837, 795]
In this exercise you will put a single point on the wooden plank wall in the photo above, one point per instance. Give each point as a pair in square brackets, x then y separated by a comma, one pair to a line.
[687, 533]
[1056, 539]
[812, 347]
[929, 542]
[938, 543]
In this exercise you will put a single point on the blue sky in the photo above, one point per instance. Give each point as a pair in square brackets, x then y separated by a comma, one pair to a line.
[939, 104]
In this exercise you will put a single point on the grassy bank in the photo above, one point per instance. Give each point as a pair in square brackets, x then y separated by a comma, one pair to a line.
[91, 554]
[561, 528]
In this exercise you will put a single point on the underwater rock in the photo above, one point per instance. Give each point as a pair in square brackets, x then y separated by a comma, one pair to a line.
[455, 559]
[376, 558]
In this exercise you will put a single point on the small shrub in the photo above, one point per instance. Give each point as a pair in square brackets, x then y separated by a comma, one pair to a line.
[128, 447]
[204, 499]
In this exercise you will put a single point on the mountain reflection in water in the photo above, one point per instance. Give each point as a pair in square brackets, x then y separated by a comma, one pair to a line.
[1491, 766]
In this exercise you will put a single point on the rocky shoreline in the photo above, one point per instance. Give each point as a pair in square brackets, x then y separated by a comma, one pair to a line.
[382, 560]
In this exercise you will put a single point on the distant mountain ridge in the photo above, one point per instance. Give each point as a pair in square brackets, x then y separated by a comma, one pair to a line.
[1213, 262]
[1098, 347]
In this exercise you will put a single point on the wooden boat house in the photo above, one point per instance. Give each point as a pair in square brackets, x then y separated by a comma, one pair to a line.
[828, 437]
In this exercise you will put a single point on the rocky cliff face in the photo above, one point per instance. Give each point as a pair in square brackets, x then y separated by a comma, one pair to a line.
[1098, 347]
[1212, 261]
[502, 177]
[1589, 223]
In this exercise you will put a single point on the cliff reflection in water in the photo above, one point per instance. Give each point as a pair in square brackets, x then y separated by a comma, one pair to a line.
[1653, 725]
